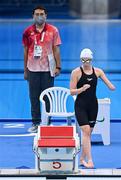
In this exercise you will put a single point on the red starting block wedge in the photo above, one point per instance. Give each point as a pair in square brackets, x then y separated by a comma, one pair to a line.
[56, 137]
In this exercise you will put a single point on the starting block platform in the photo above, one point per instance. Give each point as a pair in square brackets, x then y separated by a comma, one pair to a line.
[56, 149]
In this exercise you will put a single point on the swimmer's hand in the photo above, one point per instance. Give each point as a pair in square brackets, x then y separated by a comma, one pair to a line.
[80, 90]
[85, 87]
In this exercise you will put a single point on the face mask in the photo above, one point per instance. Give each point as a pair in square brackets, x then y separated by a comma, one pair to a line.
[39, 20]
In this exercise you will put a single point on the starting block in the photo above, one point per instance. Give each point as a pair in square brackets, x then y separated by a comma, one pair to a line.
[56, 149]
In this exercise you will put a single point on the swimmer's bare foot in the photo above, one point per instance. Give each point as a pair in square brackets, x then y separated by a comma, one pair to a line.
[83, 163]
[90, 164]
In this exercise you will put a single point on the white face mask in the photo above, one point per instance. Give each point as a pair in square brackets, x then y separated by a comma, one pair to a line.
[39, 20]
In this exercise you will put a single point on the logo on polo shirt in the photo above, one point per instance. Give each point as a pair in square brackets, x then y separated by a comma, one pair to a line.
[32, 33]
[49, 33]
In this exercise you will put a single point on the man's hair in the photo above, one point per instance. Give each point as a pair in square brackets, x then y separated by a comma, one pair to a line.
[39, 7]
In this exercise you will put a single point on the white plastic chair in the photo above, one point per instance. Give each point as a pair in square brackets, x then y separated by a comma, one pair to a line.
[58, 97]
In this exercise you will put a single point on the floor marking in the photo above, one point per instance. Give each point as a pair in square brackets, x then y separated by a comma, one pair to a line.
[13, 125]
[17, 135]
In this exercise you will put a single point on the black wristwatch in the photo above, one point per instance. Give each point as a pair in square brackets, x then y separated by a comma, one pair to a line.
[58, 68]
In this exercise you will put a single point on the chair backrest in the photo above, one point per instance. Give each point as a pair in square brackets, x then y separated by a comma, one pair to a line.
[57, 98]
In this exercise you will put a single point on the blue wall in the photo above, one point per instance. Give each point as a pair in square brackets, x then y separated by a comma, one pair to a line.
[103, 37]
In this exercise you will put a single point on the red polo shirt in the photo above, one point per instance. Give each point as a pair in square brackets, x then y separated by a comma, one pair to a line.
[48, 38]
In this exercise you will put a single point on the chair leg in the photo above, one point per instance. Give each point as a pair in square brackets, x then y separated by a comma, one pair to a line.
[69, 121]
[49, 121]
[45, 120]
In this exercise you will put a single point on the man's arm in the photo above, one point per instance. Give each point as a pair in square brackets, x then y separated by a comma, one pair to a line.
[25, 62]
[56, 52]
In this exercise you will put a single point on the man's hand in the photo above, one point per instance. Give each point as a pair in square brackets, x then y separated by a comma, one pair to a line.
[26, 74]
[57, 71]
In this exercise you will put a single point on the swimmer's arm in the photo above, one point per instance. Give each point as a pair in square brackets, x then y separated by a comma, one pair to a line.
[106, 80]
[73, 84]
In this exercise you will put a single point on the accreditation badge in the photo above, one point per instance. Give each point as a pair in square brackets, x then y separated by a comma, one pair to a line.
[37, 51]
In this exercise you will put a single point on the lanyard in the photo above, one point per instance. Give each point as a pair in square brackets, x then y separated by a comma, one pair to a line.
[42, 37]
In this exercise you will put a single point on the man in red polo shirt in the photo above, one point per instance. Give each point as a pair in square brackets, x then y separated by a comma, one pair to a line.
[41, 60]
